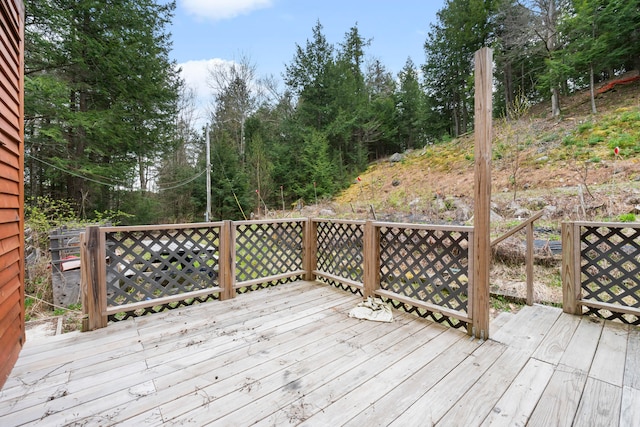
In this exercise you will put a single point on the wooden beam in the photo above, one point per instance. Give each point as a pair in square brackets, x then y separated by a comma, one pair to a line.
[482, 191]
[517, 228]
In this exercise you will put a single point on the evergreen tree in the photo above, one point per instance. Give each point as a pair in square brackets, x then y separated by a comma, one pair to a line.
[113, 100]
[463, 27]
[410, 107]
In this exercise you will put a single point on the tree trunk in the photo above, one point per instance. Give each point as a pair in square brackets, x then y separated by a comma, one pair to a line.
[508, 88]
[555, 102]
[592, 89]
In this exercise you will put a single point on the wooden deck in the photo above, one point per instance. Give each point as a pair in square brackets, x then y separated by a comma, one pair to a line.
[290, 355]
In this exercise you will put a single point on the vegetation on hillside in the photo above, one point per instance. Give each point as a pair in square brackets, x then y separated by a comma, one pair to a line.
[109, 126]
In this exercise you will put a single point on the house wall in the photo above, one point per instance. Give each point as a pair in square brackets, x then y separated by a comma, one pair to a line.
[12, 329]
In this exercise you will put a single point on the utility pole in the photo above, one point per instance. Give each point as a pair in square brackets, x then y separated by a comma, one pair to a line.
[207, 214]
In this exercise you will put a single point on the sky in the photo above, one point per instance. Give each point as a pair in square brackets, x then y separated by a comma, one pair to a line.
[209, 32]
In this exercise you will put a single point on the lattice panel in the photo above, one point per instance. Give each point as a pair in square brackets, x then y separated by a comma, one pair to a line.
[609, 315]
[264, 250]
[427, 265]
[145, 265]
[339, 250]
[611, 265]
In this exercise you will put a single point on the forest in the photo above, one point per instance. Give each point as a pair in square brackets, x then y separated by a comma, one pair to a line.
[110, 130]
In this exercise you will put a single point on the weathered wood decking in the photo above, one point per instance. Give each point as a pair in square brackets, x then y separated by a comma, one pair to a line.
[290, 355]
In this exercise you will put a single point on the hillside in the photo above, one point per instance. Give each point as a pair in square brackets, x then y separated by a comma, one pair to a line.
[566, 166]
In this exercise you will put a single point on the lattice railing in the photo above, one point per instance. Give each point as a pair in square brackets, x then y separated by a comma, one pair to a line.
[609, 270]
[131, 271]
[339, 254]
[425, 269]
[153, 263]
[268, 253]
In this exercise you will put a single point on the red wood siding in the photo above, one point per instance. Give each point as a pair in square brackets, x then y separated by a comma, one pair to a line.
[12, 332]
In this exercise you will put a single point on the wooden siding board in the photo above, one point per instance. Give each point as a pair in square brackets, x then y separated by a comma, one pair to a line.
[8, 186]
[10, 279]
[9, 216]
[9, 171]
[12, 331]
[9, 201]
[8, 258]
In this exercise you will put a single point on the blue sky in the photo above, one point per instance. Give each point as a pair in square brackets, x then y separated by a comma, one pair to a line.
[206, 32]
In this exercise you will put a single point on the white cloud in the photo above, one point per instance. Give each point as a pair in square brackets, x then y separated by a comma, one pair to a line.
[223, 9]
[195, 74]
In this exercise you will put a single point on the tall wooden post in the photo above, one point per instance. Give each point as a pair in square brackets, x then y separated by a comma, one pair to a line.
[371, 259]
[571, 287]
[93, 279]
[310, 255]
[482, 191]
[227, 261]
[529, 263]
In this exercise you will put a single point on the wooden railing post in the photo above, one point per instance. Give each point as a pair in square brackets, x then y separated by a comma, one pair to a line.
[227, 260]
[93, 279]
[571, 288]
[529, 263]
[371, 259]
[482, 190]
[310, 260]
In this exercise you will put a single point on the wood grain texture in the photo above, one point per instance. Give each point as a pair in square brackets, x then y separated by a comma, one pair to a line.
[482, 190]
[559, 401]
[291, 355]
[600, 404]
[518, 402]
[556, 341]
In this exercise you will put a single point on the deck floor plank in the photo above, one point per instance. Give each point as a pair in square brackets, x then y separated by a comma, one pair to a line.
[583, 345]
[367, 378]
[526, 330]
[630, 407]
[474, 406]
[290, 355]
[387, 408]
[518, 402]
[559, 401]
[437, 401]
[609, 360]
[555, 343]
[632, 364]
[600, 404]
[288, 381]
[382, 379]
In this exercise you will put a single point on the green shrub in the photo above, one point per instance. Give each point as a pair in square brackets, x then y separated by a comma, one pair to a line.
[628, 217]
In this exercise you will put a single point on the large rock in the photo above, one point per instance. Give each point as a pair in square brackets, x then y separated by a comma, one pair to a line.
[395, 158]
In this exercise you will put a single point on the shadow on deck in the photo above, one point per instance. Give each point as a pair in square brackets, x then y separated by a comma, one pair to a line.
[290, 355]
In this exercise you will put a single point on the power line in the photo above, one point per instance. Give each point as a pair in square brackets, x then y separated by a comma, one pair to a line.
[74, 173]
[193, 178]
[178, 184]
